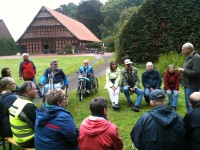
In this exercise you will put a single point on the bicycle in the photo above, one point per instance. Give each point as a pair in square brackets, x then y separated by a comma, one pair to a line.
[82, 86]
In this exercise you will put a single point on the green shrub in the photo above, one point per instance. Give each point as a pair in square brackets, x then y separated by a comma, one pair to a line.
[158, 27]
[8, 47]
[169, 58]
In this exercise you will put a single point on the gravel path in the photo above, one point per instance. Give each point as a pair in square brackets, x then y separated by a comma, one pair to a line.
[98, 72]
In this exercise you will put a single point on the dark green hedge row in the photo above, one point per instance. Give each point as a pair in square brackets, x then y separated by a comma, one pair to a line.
[8, 47]
[159, 26]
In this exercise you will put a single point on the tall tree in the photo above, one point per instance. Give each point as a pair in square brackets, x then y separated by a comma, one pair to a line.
[88, 12]
[160, 26]
[111, 14]
[68, 10]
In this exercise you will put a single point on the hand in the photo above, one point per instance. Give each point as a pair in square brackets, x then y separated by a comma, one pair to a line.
[132, 90]
[168, 91]
[20, 78]
[180, 70]
[151, 89]
[114, 88]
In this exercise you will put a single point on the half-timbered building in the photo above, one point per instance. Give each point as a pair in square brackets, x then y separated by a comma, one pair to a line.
[50, 31]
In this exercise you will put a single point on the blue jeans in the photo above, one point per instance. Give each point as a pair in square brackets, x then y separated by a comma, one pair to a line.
[173, 97]
[146, 94]
[188, 92]
[139, 93]
[53, 86]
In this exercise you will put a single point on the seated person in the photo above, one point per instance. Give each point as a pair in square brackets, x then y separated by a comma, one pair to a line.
[130, 84]
[55, 127]
[87, 71]
[53, 77]
[22, 115]
[151, 80]
[171, 85]
[6, 72]
[7, 99]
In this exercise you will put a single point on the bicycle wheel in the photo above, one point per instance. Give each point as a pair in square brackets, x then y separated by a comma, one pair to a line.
[96, 85]
[81, 91]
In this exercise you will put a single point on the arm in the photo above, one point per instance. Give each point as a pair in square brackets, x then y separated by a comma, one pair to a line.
[117, 81]
[44, 77]
[123, 81]
[116, 139]
[20, 70]
[159, 80]
[177, 81]
[69, 129]
[34, 68]
[166, 85]
[29, 114]
[108, 81]
[144, 81]
[137, 130]
[137, 83]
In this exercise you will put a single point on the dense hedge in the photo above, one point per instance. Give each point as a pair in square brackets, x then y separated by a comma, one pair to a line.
[8, 47]
[159, 26]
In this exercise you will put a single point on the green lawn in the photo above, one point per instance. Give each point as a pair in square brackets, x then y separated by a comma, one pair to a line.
[124, 119]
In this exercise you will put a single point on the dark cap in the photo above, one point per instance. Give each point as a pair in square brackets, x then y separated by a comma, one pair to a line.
[157, 95]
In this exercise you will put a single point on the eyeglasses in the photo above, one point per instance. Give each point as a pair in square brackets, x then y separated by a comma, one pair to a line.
[55, 64]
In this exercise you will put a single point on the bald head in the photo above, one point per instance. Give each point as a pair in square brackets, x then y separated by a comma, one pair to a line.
[195, 99]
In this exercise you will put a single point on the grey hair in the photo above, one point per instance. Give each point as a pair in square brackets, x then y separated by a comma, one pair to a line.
[6, 81]
[27, 85]
[53, 61]
[189, 46]
[149, 63]
[25, 54]
[171, 65]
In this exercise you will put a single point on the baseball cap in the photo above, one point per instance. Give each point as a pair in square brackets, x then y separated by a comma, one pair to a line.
[157, 95]
[127, 61]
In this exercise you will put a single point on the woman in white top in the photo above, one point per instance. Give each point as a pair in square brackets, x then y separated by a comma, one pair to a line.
[113, 84]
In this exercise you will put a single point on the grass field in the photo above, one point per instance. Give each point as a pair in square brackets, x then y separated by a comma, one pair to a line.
[124, 119]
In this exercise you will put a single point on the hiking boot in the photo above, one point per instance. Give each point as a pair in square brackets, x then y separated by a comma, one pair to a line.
[135, 108]
[116, 107]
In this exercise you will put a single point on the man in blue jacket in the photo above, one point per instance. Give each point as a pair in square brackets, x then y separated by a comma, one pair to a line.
[55, 128]
[151, 80]
[54, 78]
[159, 129]
[87, 71]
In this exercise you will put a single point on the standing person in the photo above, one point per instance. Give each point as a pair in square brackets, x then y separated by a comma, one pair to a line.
[87, 71]
[96, 132]
[113, 84]
[190, 72]
[130, 84]
[159, 129]
[7, 98]
[151, 80]
[54, 78]
[171, 85]
[23, 115]
[192, 123]
[55, 127]
[27, 71]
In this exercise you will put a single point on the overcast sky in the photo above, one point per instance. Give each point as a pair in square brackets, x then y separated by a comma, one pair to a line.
[18, 14]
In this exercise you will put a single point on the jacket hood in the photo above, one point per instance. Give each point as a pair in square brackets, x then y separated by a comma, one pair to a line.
[164, 116]
[47, 113]
[95, 125]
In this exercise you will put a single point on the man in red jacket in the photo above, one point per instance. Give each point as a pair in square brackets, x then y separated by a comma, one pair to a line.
[96, 132]
[27, 71]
